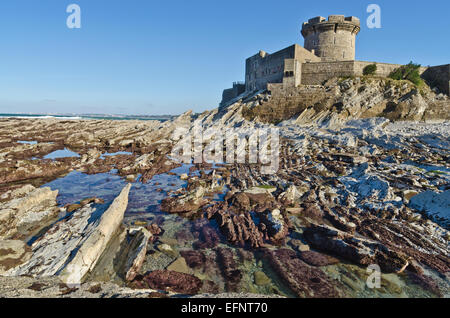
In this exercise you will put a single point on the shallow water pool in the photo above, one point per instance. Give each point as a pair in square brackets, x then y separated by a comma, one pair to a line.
[179, 234]
[24, 142]
[65, 153]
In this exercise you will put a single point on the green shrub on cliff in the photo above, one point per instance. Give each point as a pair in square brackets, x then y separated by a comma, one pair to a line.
[408, 72]
[370, 69]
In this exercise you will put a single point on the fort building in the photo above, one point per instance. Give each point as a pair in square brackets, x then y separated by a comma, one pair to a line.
[329, 51]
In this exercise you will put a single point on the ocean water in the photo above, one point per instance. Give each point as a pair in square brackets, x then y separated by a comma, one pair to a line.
[79, 117]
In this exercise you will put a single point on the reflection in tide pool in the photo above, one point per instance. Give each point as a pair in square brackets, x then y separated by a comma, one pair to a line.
[144, 197]
[66, 153]
[24, 142]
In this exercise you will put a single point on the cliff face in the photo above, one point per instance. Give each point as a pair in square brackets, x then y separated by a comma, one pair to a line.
[340, 100]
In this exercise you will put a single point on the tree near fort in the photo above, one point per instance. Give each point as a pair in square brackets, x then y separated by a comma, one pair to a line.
[408, 72]
[370, 69]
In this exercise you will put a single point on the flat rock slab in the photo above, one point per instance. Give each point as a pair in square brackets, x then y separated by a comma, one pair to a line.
[72, 247]
[90, 251]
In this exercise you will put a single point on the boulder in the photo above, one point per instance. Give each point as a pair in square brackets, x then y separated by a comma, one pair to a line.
[189, 202]
[241, 202]
[276, 226]
[134, 253]
[291, 196]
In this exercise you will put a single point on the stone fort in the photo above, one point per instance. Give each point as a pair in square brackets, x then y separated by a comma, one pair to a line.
[329, 51]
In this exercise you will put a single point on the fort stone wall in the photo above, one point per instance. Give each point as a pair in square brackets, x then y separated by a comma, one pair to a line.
[279, 67]
[318, 73]
[383, 69]
[264, 68]
[438, 76]
[231, 93]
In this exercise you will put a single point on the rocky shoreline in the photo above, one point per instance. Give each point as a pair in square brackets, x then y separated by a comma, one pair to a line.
[366, 191]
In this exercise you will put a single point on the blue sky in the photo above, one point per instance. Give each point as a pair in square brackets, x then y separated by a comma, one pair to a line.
[164, 57]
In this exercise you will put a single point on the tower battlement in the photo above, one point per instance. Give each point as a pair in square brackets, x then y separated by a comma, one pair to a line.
[333, 19]
[333, 39]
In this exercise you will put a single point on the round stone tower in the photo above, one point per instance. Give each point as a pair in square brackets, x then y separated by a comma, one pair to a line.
[332, 39]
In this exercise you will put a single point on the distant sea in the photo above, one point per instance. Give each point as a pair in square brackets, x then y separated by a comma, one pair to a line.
[89, 116]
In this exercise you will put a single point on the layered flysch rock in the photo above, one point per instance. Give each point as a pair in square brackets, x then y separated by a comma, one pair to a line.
[359, 250]
[90, 251]
[27, 211]
[72, 247]
[340, 100]
[359, 191]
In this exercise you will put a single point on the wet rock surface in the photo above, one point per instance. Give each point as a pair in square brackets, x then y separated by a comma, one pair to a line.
[170, 280]
[358, 250]
[347, 194]
[303, 280]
